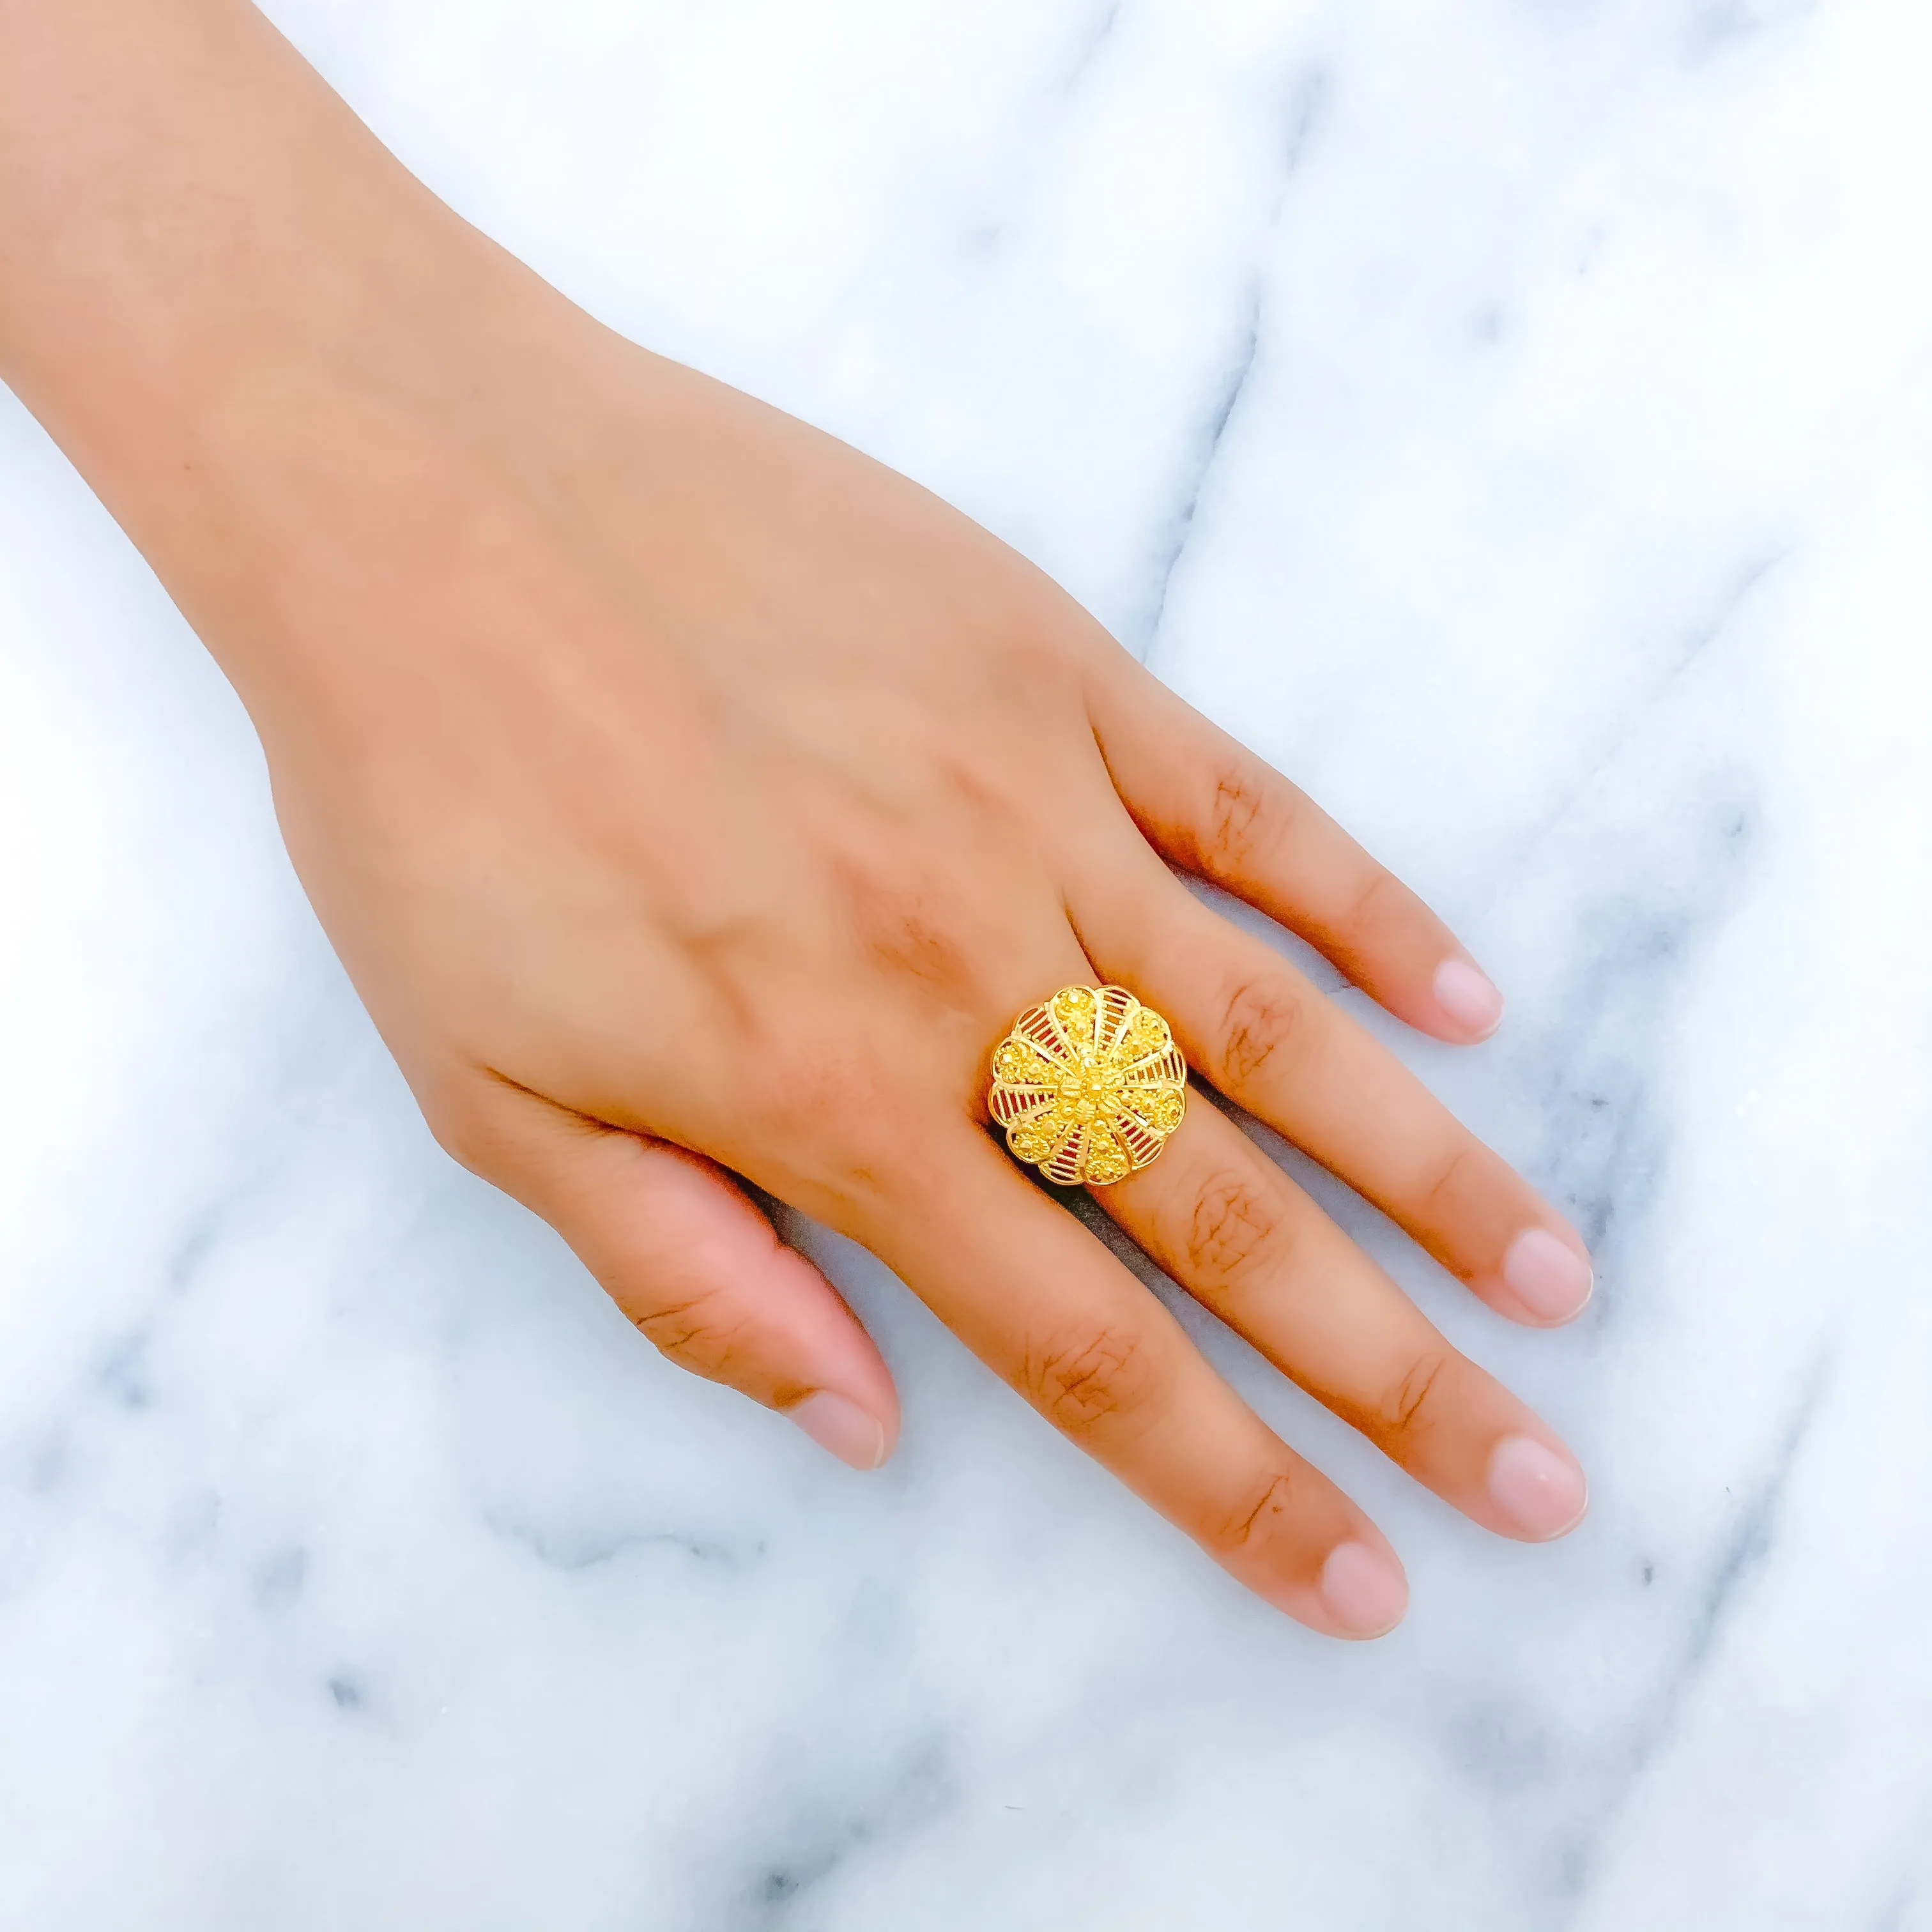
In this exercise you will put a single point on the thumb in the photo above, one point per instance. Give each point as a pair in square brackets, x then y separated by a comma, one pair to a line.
[687, 1254]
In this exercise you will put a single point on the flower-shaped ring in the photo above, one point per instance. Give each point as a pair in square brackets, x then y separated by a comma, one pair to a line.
[1088, 1085]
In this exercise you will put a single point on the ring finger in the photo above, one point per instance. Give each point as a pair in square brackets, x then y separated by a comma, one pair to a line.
[1038, 1299]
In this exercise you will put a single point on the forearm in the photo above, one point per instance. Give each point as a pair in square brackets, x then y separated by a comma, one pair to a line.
[209, 266]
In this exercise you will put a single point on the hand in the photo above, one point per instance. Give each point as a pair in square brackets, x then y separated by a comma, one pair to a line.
[696, 797]
[690, 797]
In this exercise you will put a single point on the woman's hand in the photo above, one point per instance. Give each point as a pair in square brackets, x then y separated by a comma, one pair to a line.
[690, 797]
[680, 780]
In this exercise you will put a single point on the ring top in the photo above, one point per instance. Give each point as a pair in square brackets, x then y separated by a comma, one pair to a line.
[1088, 1085]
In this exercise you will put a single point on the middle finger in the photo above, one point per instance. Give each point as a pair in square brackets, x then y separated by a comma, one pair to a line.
[1266, 1037]
[1238, 1234]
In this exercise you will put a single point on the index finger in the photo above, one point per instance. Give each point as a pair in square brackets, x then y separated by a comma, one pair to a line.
[1206, 802]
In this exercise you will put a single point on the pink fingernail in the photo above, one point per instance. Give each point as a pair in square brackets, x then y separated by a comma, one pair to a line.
[1543, 1494]
[841, 1428]
[1364, 1591]
[1468, 997]
[1546, 1275]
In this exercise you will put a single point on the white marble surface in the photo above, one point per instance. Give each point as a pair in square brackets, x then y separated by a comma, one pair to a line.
[1516, 420]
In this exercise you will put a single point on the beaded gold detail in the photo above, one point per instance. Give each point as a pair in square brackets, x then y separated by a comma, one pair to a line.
[1088, 1085]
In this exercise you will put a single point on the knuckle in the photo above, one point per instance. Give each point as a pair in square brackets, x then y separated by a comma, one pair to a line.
[1441, 1199]
[1264, 1015]
[1078, 1381]
[1410, 1409]
[701, 1331]
[805, 1096]
[1240, 826]
[831, 1126]
[466, 1130]
[884, 1147]
[917, 935]
[908, 917]
[1381, 903]
[1232, 1221]
[817, 1093]
[1259, 1515]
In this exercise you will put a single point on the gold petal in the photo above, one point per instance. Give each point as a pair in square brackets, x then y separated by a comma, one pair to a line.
[1019, 1064]
[1074, 1011]
[1040, 1135]
[1160, 1107]
[1103, 1158]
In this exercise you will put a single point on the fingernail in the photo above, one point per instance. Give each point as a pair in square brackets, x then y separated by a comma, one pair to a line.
[841, 1428]
[1546, 1275]
[1468, 997]
[1364, 1591]
[1542, 1493]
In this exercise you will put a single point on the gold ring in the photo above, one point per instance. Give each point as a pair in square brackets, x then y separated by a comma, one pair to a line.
[1088, 1085]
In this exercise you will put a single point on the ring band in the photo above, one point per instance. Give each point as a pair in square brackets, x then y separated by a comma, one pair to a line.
[1088, 1085]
